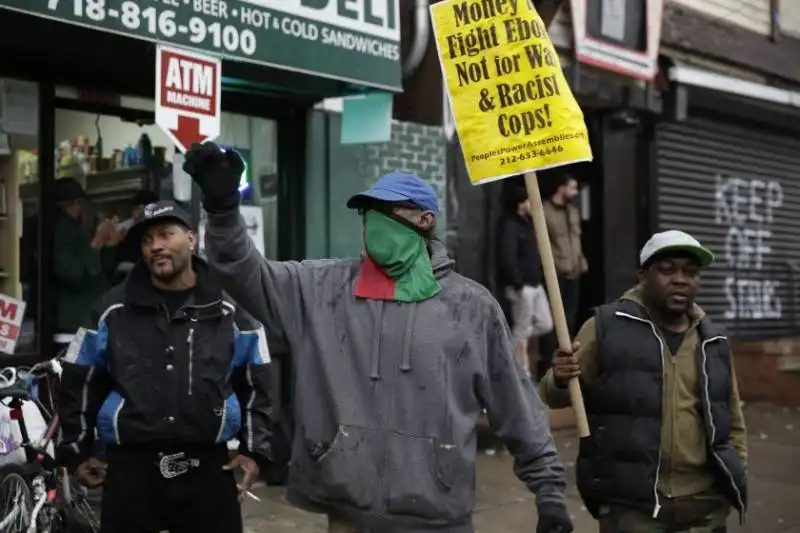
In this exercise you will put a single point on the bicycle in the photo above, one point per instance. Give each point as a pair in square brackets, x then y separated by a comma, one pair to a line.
[37, 496]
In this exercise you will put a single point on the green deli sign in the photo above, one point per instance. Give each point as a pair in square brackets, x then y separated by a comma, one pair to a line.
[352, 40]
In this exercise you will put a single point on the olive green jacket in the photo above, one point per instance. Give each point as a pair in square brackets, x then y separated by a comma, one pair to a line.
[684, 469]
[564, 229]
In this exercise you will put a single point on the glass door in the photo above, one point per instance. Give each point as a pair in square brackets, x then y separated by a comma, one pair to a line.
[256, 141]
[19, 207]
[110, 159]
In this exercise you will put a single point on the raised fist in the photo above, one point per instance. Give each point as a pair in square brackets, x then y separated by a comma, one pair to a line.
[217, 173]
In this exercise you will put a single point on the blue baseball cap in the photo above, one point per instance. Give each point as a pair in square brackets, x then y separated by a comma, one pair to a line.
[398, 187]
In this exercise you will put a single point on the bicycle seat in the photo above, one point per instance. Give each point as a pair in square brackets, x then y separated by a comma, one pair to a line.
[15, 393]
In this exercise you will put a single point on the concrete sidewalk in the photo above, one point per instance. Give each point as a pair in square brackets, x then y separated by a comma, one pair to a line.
[505, 505]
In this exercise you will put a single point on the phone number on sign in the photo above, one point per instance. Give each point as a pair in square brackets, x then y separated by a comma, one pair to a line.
[162, 24]
[533, 154]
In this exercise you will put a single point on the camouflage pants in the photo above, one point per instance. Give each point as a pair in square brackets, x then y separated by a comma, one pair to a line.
[692, 514]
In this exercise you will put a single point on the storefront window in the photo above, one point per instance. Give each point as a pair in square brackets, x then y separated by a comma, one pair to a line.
[19, 206]
[111, 184]
[108, 147]
[621, 22]
[114, 151]
[256, 139]
[109, 153]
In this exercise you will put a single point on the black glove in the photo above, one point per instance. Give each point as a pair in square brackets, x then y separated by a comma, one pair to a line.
[217, 173]
[553, 518]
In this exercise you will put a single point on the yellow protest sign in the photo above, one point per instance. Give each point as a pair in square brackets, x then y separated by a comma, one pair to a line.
[513, 109]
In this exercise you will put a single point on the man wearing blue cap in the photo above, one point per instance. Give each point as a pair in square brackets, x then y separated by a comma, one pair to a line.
[396, 355]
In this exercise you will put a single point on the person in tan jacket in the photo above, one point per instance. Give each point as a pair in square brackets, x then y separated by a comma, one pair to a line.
[564, 227]
[667, 450]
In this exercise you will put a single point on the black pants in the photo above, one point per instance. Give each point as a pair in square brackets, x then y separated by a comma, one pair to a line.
[570, 296]
[137, 498]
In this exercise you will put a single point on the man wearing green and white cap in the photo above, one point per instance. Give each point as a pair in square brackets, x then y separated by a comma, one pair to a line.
[667, 450]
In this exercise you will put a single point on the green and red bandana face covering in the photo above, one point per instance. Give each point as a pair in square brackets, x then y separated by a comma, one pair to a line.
[397, 265]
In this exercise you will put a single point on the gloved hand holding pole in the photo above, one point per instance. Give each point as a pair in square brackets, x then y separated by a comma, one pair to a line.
[554, 293]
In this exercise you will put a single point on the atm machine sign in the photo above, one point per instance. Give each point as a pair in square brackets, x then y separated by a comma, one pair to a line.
[188, 94]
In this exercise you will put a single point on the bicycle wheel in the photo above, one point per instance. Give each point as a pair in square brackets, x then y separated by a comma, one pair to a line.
[16, 501]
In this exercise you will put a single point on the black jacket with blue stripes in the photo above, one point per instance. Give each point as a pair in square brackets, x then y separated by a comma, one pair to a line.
[138, 376]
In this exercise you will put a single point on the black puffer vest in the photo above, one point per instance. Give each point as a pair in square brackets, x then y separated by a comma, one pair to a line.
[619, 462]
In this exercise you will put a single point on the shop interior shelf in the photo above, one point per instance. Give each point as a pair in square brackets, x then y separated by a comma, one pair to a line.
[106, 185]
[123, 180]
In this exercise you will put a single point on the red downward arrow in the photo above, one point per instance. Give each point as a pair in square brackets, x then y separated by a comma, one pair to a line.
[188, 132]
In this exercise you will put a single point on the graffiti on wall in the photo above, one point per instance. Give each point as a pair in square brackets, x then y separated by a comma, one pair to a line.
[747, 208]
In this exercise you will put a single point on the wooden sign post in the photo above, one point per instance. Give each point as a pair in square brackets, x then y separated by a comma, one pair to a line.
[554, 293]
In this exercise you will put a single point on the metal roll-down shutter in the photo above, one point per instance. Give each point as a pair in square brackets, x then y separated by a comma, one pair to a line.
[736, 188]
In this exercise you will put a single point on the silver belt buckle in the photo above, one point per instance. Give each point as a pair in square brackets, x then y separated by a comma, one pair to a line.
[176, 464]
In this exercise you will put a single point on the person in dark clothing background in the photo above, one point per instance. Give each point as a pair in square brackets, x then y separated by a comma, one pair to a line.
[84, 259]
[168, 371]
[564, 228]
[520, 274]
[668, 444]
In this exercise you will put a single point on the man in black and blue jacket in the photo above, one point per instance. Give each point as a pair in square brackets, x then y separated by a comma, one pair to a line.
[168, 372]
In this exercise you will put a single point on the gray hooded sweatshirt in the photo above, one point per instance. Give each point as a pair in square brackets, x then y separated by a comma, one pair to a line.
[387, 394]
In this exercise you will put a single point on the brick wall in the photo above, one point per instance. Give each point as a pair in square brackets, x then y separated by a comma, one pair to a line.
[769, 370]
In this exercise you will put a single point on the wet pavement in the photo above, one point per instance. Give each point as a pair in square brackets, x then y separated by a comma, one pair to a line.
[505, 505]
